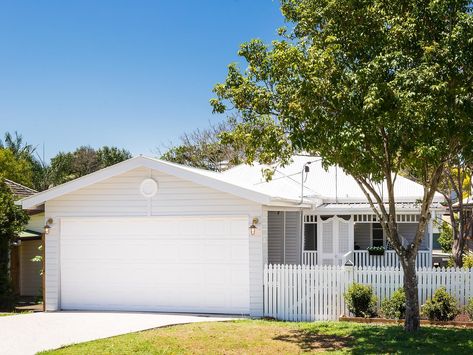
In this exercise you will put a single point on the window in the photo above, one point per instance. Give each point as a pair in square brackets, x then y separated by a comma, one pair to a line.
[377, 235]
[310, 236]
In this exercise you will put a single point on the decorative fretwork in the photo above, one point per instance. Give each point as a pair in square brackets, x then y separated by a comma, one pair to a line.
[310, 218]
[372, 218]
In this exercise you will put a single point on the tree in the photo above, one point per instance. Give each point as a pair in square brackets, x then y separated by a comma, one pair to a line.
[376, 87]
[108, 156]
[12, 221]
[84, 160]
[19, 148]
[25, 151]
[15, 168]
[204, 149]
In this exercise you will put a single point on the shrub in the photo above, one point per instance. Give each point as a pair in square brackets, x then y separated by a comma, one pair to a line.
[445, 238]
[395, 307]
[468, 261]
[441, 307]
[360, 300]
[375, 250]
[469, 308]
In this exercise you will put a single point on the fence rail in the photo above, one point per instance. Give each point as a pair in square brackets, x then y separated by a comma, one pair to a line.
[308, 293]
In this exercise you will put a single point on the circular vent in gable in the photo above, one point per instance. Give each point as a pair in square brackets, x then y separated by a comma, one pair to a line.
[148, 187]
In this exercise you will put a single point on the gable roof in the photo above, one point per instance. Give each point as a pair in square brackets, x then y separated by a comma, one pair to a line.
[203, 177]
[19, 190]
[320, 186]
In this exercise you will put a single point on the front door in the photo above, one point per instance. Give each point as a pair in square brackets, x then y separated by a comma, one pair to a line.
[336, 240]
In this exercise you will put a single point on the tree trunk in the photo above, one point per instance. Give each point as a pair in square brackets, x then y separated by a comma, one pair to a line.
[457, 252]
[412, 321]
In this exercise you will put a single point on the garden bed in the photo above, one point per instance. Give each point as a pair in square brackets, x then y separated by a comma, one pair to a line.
[453, 323]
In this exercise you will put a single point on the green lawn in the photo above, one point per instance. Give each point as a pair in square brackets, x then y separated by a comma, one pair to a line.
[270, 337]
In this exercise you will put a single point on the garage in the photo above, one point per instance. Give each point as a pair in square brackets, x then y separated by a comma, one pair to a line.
[170, 264]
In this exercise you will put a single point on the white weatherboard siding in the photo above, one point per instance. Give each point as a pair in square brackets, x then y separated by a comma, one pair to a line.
[173, 264]
[119, 196]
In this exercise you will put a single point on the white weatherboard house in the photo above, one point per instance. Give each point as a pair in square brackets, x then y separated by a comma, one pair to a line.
[150, 235]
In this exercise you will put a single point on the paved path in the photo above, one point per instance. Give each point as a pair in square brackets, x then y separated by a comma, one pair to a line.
[29, 333]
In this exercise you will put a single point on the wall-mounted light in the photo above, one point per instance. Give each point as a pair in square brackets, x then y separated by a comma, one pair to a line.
[16, 242]
[47, 227]
[253, 226]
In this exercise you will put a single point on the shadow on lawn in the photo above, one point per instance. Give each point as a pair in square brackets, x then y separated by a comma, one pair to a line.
[309, 341]
[375, 339]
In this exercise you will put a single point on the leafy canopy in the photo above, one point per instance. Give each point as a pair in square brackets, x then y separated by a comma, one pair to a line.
[84, 160]
[204, 149]
[16, 168]
[373, 86]
[12, 221]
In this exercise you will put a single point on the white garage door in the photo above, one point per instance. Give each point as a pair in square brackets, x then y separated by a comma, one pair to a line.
[175, 264]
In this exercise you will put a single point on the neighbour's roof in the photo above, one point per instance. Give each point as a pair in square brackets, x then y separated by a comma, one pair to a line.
[467, 203]
[29, 234]
[19, 189]
[320, 186]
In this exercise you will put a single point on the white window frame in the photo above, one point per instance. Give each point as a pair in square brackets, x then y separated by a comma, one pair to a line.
[308, 219]
[371, 234]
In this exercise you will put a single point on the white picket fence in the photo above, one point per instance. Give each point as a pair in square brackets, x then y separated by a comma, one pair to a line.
[308, 293]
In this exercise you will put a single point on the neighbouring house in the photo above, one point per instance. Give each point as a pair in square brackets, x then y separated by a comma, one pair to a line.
[149, 235]
[26, 273]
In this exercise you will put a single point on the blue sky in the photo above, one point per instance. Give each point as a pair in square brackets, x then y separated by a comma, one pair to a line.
[135, 74]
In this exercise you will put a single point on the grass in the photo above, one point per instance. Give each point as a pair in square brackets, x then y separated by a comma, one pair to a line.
[5, 314]
[271, 337]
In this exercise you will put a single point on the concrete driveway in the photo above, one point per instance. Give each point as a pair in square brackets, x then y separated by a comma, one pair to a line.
[29, 333]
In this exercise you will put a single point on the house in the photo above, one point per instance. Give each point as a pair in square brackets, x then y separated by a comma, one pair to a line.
[26, 273]
[149, 235]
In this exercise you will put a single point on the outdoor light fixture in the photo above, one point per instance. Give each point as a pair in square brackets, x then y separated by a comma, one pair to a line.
[253, 226]
[47, 227]
[16, 242]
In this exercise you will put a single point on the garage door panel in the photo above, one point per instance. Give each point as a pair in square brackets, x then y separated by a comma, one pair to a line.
[157, 264]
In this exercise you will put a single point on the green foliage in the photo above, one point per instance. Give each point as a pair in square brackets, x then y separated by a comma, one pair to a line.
[469, 308]
[395, 307]
[442, 306]
[108, 156]
[203, 149]
[360, 300]
[446, 237]
[376, 250]
[84, 160]
[15, 168]
[352, 76]
[12, 221]
[468, 261]
[375, 87]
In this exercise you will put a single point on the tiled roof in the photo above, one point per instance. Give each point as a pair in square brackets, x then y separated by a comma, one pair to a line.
[19, 189]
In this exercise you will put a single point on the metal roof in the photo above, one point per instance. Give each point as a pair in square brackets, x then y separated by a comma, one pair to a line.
[413, 206]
